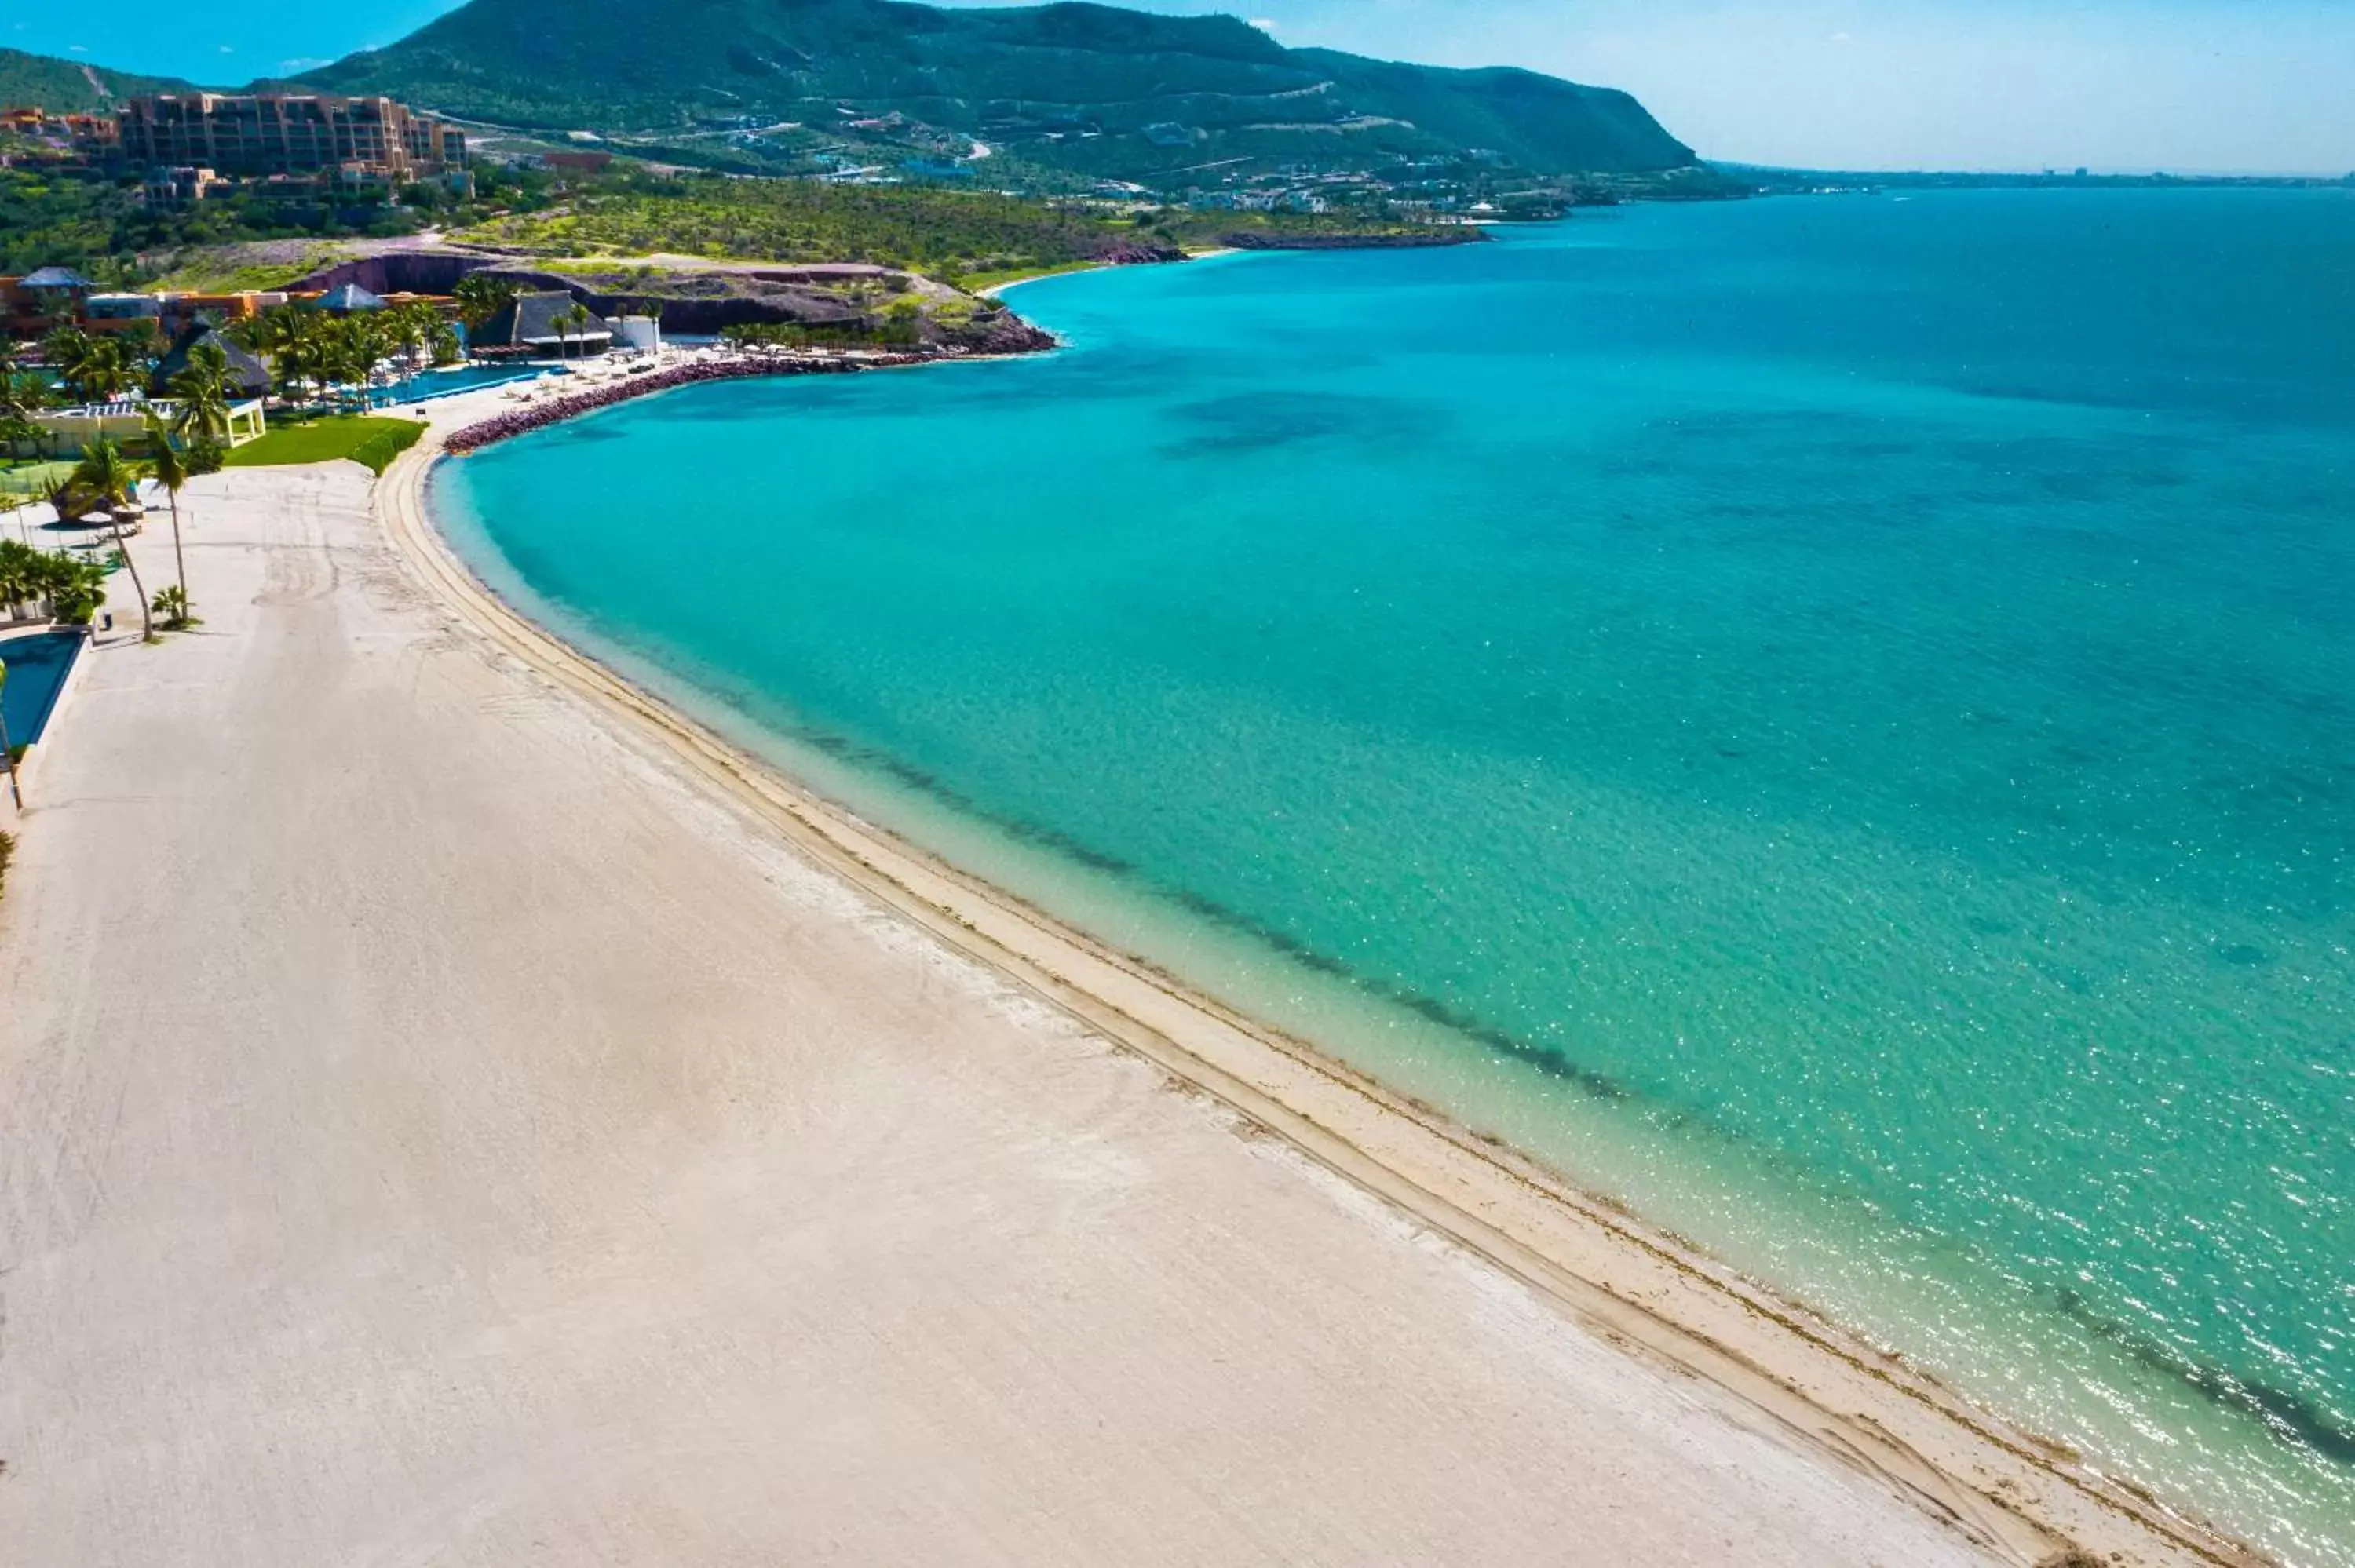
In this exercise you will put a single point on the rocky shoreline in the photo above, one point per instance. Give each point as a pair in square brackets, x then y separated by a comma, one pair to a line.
[1453, 234]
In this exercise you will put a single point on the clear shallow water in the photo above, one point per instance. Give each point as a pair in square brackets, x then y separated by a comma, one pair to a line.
[1833, 720]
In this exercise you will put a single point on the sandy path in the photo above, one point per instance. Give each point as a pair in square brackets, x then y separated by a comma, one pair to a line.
[435, 1129]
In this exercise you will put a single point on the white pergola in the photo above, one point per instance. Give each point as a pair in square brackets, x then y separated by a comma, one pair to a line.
[122, 420]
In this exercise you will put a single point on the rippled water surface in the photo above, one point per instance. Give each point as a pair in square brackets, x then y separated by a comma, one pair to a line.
[1831, 719]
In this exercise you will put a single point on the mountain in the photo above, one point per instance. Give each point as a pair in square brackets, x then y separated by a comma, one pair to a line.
[64, 87]
[1083, 87]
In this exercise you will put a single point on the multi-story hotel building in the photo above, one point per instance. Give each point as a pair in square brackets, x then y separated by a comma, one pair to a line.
[288, 133]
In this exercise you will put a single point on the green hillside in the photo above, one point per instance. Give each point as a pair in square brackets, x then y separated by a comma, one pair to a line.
[1083, 86]
[63, 87]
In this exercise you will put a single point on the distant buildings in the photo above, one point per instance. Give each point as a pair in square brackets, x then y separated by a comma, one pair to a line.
[182, 186]
[33, 306]
[188, 146]
[121, 313]
[40, 302]
[94, 136]
[256, 135]
[575, 163]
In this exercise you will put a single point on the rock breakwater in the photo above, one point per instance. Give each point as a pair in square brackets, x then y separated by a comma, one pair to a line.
[538, 416]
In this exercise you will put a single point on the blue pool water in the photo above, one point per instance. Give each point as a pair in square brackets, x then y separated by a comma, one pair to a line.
[38, 665]
[430, 384]
[1832, 720]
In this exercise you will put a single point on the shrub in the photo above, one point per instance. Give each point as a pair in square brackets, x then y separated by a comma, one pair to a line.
[378, 451]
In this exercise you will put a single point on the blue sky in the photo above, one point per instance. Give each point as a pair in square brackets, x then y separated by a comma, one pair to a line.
[2231, 85]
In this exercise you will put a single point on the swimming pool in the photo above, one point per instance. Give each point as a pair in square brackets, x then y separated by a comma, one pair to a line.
[428, 384]
[38, 664]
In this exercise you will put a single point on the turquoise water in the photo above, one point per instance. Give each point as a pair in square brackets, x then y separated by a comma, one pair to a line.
[1830, 719]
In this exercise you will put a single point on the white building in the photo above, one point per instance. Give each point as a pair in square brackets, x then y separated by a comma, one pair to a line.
[69, 430]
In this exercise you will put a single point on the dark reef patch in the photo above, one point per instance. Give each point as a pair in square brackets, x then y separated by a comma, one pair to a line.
[1263, 421]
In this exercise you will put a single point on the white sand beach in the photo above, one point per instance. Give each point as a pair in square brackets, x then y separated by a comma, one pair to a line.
[452, 1112]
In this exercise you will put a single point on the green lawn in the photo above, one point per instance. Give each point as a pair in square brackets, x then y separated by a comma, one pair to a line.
[363, 438]
[25, 478]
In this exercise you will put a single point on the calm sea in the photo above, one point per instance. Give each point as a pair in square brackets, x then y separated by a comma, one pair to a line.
[1832, 719]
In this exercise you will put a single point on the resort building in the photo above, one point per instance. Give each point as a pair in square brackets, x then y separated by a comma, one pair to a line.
[121, 313]
[248, 134]
[542, 326]
[248, 376]
[93, 137]
[33, 306]
[67, 432]
[40, 302]
[181, 186]
[639, 334]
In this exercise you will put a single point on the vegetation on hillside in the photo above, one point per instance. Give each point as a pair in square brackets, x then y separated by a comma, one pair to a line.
[64, 87]
[55, 212]
[946, 234]
[799, 220]
[242, 265]
[1125, 92]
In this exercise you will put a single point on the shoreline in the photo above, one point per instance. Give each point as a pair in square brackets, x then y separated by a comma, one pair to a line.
[2020, 1496]
[483, 1141]
[998, 290]
[480, 433]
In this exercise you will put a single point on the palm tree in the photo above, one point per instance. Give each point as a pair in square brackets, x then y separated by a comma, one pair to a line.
[22, 394]
[273, 330]
[359, 344]
[290, 335]
[106, 473]
[201, 387]
[96, 368]
[18, 432]
[109, 371]
[17, 566]
[171, 472]
[71, 587]
[68, 350]
[417, 326]
[480, 297]
[565, 321]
